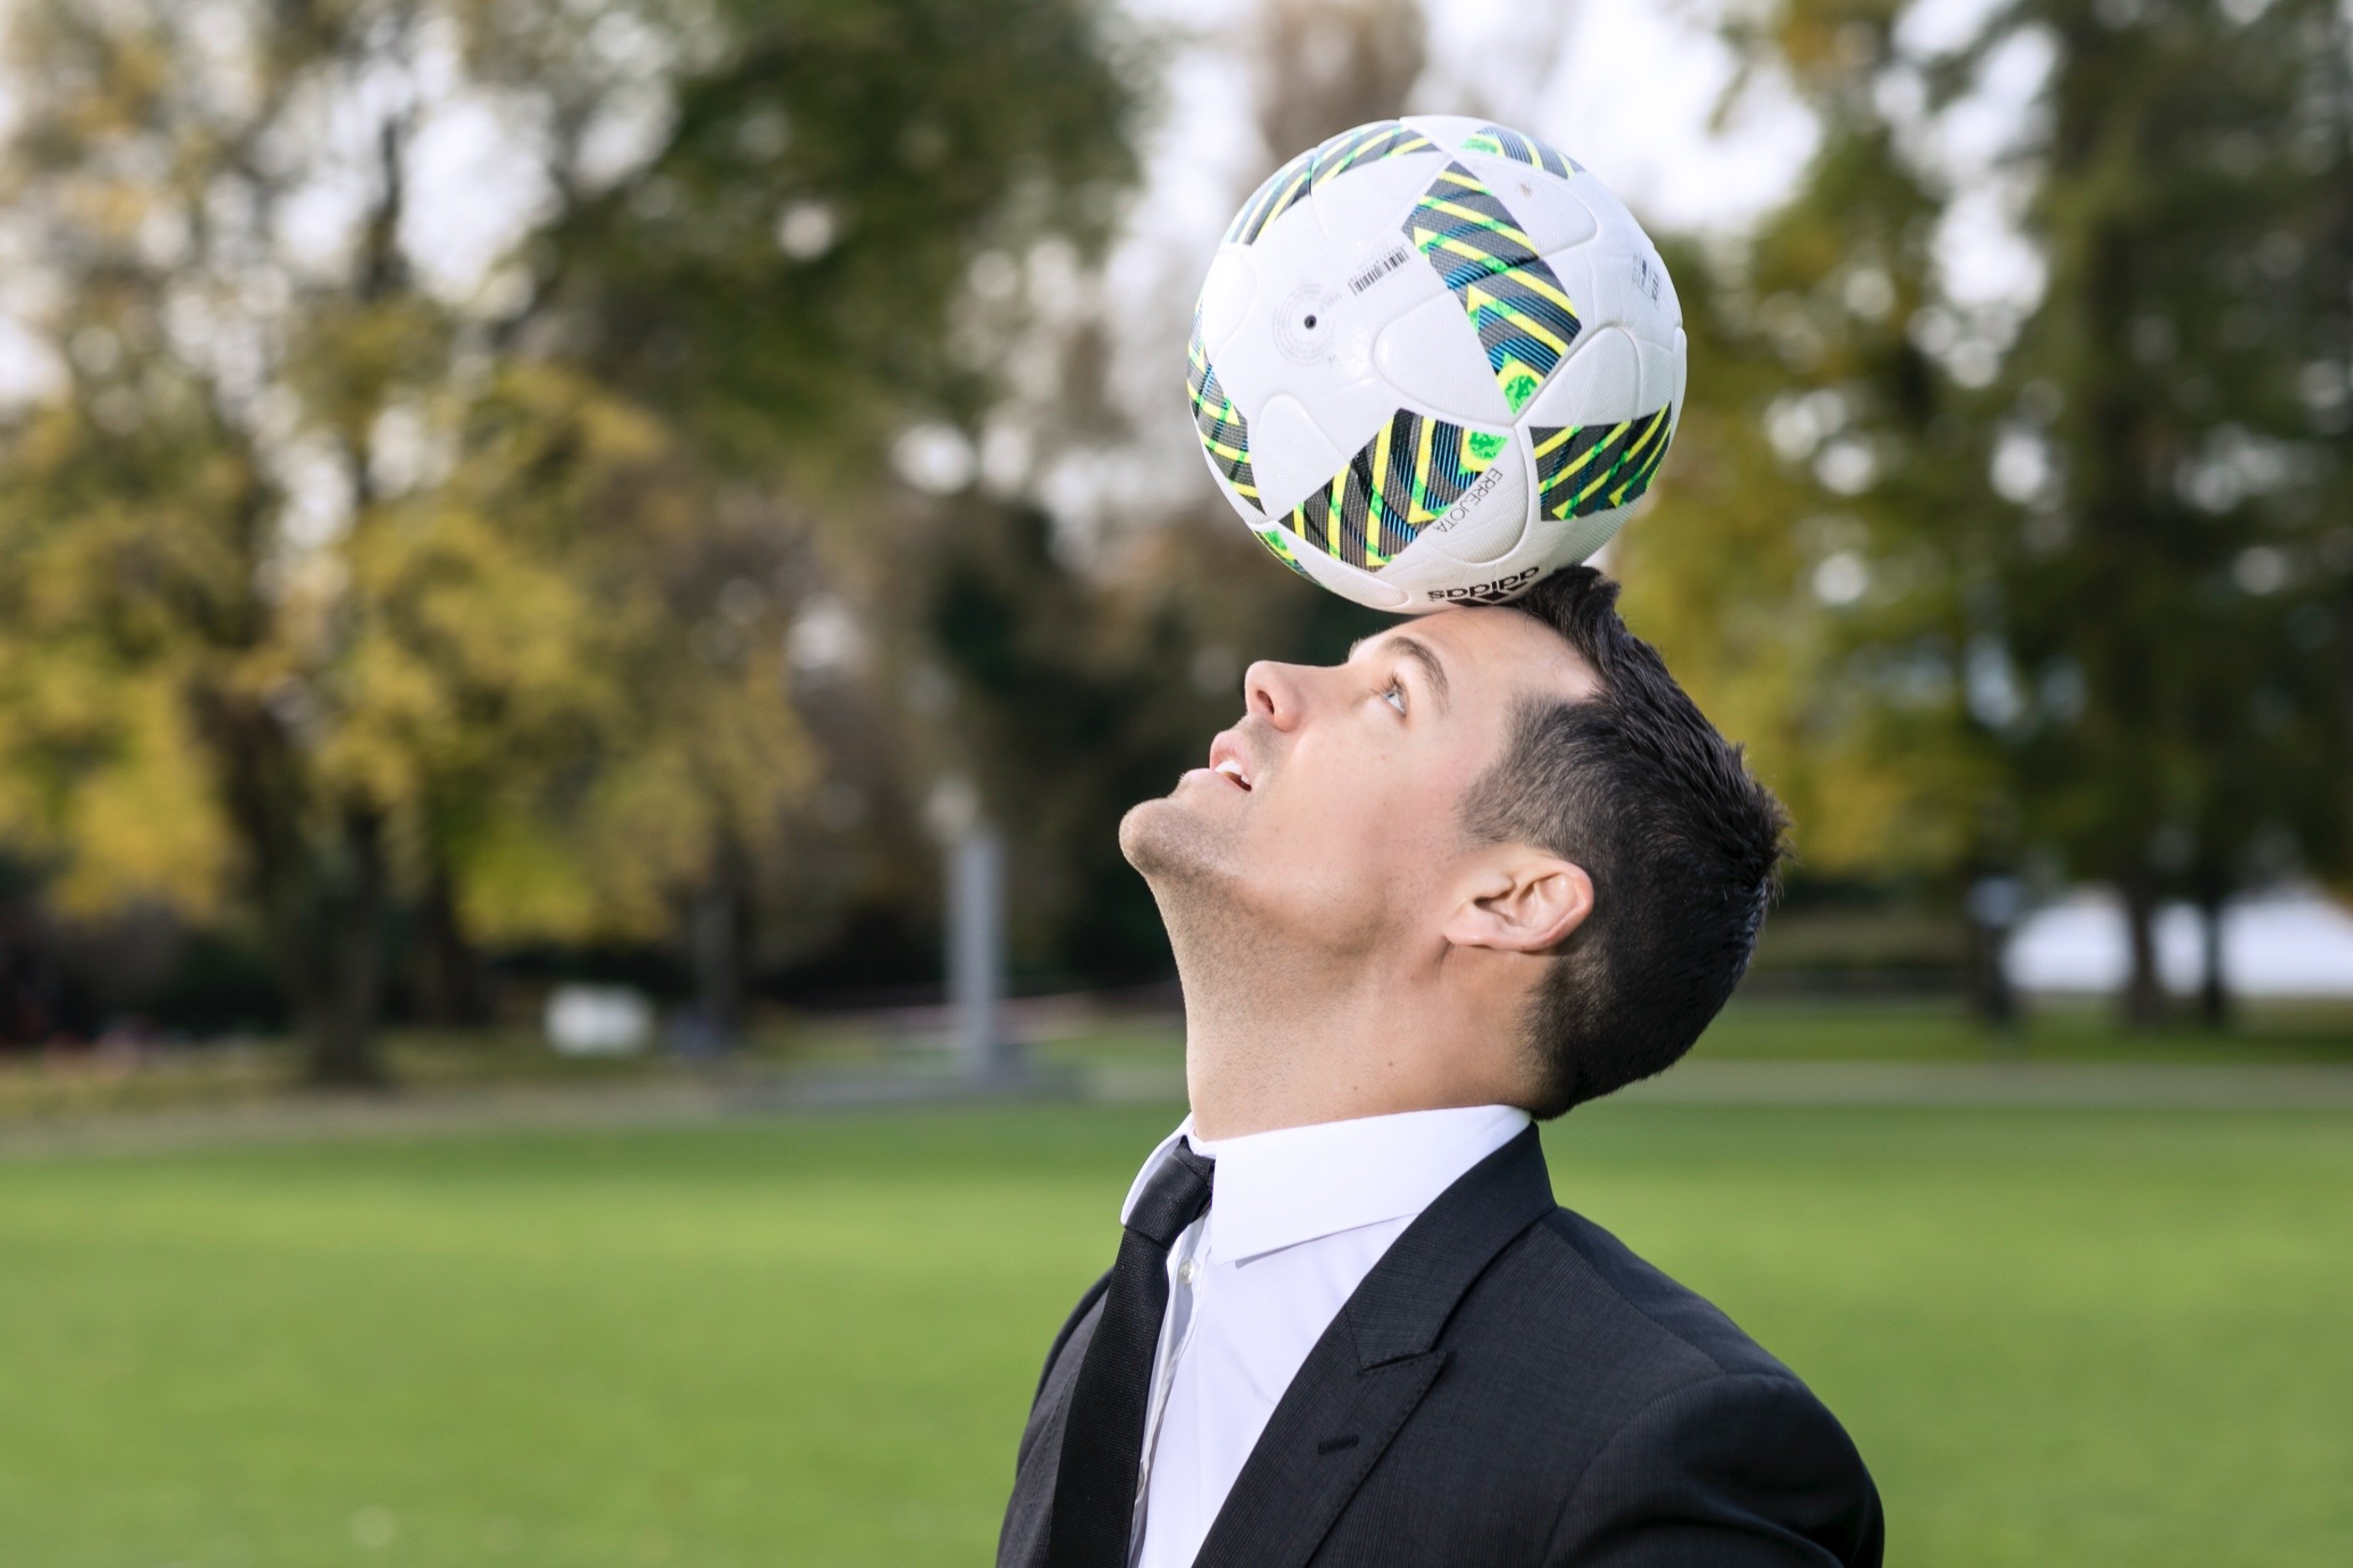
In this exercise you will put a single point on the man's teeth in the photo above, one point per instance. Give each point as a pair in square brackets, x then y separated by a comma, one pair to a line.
[1233, 770]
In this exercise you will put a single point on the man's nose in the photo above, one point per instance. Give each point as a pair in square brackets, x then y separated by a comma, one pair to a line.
[1275, 693]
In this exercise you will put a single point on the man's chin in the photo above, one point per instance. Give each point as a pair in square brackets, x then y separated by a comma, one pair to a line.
[1165, 840]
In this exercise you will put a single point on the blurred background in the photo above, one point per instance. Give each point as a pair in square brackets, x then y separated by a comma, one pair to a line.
[583, 584]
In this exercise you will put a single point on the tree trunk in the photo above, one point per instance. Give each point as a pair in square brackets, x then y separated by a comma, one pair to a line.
[2214, 988]
[337, 1004]
[448, 979]
[1991, 996]
[2144, 998]
[322, 904]
[718, 933]
[1993, 906]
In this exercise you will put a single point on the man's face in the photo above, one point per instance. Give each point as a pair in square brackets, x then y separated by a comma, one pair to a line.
[1330, 813]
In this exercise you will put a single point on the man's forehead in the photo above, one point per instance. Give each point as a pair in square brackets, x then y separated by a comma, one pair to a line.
[1480, 644]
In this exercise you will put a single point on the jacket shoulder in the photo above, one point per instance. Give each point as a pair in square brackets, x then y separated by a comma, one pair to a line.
[1742, 1468]
[1643, 1411]
[1658, 1318]
[1574, 1333]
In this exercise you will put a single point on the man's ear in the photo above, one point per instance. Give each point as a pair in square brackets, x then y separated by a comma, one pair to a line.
[1526, 901]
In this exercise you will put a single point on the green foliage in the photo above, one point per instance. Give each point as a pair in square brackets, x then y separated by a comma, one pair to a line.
[1077, 700]
[1792, 568]
[333, 583]
[109, 544]
[780, 273]
[2082, 582]
[2192, 368]
[1850, 709]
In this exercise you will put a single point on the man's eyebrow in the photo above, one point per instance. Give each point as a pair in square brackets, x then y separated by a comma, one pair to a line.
[1419, 652]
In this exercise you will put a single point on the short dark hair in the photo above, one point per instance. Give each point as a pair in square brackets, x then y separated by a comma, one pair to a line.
[1682, 844]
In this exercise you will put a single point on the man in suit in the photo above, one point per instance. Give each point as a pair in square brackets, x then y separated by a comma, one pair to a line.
[1493, 866]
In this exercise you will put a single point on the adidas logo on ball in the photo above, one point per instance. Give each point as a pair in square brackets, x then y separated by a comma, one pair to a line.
[1500, 591]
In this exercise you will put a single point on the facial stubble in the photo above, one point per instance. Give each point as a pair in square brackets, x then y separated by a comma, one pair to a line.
[1187, 860]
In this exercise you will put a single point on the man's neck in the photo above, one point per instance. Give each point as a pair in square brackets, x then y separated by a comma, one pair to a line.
[1276, 1038]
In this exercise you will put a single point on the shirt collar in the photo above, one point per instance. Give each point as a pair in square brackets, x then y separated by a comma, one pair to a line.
[1278, 1189]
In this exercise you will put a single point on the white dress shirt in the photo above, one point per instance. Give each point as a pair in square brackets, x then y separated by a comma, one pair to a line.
[1298, 1219]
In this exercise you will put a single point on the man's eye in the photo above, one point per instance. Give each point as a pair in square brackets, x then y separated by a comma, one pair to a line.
[1395, 695]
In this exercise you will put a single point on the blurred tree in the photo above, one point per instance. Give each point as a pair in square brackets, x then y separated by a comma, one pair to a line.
[1093, 615]
[1322, 67]
[2181, 402]
[1807, 563]
[1069, 715]
[335, 569]
[2077, 574]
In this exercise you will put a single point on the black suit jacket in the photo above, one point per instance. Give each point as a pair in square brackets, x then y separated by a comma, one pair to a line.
[1510, 1385]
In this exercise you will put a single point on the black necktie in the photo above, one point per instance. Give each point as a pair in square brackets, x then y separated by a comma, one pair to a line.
[1102, 1438]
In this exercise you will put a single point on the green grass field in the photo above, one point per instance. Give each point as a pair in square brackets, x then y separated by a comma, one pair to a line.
[2060, 1337]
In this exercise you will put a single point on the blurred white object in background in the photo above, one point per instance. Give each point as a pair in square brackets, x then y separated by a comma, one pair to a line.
[2286, 942]
[976, 927]
[598, 1020]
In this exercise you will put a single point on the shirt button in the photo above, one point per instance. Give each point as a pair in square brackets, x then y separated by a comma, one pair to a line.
[1188, 1271]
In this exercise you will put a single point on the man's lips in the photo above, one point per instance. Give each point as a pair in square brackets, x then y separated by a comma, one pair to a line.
[1230, 761]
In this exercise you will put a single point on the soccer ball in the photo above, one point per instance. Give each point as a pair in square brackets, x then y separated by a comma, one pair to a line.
[1434, 361]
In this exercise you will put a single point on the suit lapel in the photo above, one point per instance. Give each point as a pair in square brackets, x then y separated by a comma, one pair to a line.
[1361, 1383]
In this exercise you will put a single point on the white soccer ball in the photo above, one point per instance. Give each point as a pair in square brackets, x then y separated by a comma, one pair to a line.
[1435, 360]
